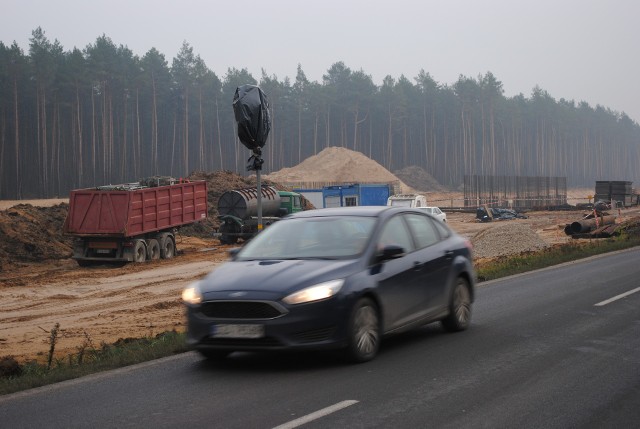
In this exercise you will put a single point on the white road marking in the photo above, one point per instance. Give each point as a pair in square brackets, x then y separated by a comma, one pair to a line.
[316, 415]
[615, 298]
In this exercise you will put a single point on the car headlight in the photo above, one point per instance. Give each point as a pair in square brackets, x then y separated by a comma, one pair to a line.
[315, 293]
[191, 294]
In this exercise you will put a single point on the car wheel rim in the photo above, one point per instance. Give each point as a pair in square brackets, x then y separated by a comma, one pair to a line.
[462, 304]
[366, 326]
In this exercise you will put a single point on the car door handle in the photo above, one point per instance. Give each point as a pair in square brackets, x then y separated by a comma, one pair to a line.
[418, 265]
[448, 254]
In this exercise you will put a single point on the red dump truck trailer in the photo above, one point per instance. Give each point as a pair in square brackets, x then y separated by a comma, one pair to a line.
[132, 222]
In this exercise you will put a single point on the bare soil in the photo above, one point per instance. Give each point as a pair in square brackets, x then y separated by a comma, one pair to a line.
[97, 304]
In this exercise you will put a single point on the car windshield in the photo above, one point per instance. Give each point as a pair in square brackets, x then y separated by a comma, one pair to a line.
[401, 203]
[331, 237]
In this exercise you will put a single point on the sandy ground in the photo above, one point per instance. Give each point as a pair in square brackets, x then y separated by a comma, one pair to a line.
[97, 304]
[104, 303]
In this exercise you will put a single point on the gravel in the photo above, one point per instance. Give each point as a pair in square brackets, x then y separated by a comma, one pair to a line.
[508, 239]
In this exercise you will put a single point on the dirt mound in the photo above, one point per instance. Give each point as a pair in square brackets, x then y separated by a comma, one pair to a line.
[31, 234]
[337, 165]
[420, 180]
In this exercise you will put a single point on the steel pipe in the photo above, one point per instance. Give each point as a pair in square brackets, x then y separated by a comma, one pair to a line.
[586, 225]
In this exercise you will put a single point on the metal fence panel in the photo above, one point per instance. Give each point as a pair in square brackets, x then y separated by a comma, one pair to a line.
[515, 191]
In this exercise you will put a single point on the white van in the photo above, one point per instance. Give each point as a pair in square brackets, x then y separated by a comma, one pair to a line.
[407, 200]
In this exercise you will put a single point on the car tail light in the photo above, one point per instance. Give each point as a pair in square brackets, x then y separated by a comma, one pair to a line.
[468, 244]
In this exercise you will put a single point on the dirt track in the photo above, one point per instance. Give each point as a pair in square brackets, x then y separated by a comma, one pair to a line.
[104, 304]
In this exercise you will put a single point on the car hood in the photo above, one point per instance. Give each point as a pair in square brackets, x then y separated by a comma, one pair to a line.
[272, 278]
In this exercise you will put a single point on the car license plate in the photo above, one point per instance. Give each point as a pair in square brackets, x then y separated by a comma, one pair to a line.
[103, 251]
[237, 331]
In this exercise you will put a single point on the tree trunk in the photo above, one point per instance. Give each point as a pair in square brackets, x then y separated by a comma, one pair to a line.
[154, 126]
[17, 137]
[185, 144]
[201, 136]
[315, 133]
[80, 162]
[173, 143]
[219, 135]
[93, 135]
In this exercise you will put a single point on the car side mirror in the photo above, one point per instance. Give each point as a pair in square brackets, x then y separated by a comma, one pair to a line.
[233, 252]
[391, 251]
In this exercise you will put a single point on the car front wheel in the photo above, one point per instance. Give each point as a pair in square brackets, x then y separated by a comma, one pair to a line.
[459, 316]
[364, 331]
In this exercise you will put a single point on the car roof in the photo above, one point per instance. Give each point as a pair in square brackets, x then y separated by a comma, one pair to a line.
[372, 211]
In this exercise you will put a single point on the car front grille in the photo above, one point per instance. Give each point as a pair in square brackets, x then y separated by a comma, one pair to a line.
[241, 310]
[314, 335]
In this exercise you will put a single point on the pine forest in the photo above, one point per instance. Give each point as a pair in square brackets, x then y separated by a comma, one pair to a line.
[104, 115]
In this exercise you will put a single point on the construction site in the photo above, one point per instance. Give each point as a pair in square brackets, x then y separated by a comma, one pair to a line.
[41, 285]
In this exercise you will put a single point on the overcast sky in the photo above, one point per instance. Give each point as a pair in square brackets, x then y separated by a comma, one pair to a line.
[582, 50]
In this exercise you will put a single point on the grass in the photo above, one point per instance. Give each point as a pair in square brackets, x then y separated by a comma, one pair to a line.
[507, 266]
[90, 359]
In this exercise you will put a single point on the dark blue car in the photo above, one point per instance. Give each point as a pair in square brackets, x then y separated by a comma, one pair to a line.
[333, 278]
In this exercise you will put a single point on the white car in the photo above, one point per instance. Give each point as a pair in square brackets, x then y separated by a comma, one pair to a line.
[436, 212]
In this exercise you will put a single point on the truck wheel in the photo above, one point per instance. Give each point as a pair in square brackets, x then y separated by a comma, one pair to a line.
[167, 247]
[153, 249]
[139, 251]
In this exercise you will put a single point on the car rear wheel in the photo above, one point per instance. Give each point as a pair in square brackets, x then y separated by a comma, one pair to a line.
[459, 316]
[364, 331]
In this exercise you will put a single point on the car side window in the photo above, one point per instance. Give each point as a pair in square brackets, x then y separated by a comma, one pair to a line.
[395, 232]
[423, 230]
[443, 230]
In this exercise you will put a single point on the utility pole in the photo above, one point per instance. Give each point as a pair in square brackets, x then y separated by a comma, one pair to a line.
[251, 111]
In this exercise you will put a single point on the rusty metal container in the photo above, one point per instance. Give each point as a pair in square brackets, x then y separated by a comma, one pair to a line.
[243, 203]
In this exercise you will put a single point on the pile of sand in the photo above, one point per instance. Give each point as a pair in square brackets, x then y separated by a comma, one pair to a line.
[337, 165]
[420, 180]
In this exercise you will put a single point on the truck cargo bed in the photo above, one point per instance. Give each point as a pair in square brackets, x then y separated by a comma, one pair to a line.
[129, 213]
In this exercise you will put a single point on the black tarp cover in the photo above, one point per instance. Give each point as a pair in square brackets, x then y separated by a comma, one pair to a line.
[251, 110]
[497, 214]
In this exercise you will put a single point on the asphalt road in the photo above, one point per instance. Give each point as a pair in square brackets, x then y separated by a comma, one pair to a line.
[558, 348]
